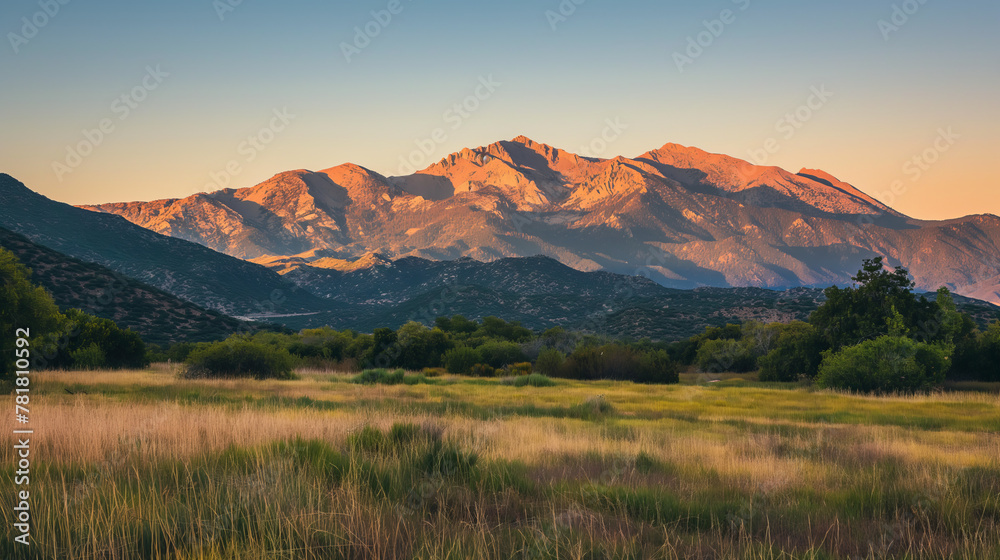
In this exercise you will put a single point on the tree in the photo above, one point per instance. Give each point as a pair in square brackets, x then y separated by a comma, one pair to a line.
[617, 361]
[420, 347]
[549, 361]
[121, 348]
[797, 352]
[461, 359]
[499, 354]
[724, 354]
[977, 357]
[383, 352]
[23, 306]
[879, 299]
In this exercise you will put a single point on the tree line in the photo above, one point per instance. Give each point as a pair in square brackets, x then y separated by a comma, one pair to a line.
[875, 336]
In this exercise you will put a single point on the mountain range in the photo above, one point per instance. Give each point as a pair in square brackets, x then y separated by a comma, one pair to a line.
[88, 260]
[188, 270]
[681, 216]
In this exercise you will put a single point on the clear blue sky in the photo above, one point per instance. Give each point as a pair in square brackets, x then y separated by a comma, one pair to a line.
[607, 60]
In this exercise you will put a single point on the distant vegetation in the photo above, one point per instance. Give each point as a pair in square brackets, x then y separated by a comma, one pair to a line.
[159, 317]
[490, 348]
[876, 336]
[72, 340]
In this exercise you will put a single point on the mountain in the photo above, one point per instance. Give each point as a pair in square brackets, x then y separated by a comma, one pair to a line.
[188, 270]
[362, 292]
[682, 216]
[159, 317]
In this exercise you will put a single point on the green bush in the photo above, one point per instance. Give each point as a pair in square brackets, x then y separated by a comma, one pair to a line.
[616, 361]
[533, 380]
[379, 376]
[240, 357]
[594, 408]
[499, 354]
[798, 353]
[461, 359]
[88, 357]
[887, 364]
[122, 348]
[549, 361]
[382, 376]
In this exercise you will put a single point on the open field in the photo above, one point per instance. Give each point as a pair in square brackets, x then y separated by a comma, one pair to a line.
[145, 465]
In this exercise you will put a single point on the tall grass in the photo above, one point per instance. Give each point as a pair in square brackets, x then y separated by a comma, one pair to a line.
[135, 466]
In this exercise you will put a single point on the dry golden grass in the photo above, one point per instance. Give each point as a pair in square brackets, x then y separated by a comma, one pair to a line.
[748, 452]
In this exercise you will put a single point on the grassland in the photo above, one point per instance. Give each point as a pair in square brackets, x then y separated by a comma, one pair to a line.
[145, 465]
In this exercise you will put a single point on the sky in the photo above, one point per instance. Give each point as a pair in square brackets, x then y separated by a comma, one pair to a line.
[106, 101]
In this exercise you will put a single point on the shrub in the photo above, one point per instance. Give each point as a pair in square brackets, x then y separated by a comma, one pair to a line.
[483, 370]
[533, 380]
[549, 361]
[656, 367]
[615, 361]
[379, 376]
[240, 357]
[88, 357]
[119, 348]
[447, 460]
[404, 434]
[433, 371]
[594, 408]
[722, 355]
[884, 365]
[367, 439]
[522, 368]
[499, 354]
[798, 352]
[461, 359]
